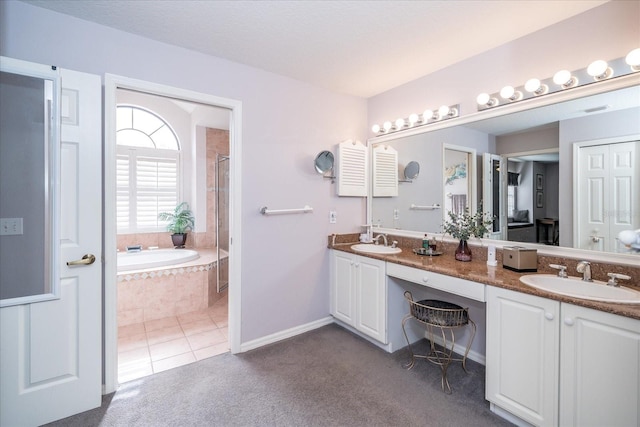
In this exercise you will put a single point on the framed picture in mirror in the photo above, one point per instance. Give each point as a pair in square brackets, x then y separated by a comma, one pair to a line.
[539, 182]
[539, 199]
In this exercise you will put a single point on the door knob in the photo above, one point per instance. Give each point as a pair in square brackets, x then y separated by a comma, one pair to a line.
[87, 259]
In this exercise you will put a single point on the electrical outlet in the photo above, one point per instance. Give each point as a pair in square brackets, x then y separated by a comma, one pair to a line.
[10, 226]
[333, 217]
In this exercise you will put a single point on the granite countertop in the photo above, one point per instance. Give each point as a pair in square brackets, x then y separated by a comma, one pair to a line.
[477, 270]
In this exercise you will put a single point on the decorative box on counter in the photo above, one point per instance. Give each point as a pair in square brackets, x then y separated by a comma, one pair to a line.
[519, 259]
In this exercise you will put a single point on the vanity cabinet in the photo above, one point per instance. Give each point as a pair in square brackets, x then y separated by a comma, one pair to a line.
[552, 363]
[599, 368]
[358, 293]
[522, 359]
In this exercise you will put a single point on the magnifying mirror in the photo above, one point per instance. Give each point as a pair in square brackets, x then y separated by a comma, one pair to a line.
[411, 171]
[324, 162]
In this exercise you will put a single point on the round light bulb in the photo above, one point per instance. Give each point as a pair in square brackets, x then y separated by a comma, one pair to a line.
[483, 99]
[399, 123]
[598, 69]
[427, 115]
[387, 126]
[562, 77]
[633, 59]
[532, 85]
[443, 111]
[507, 92]
[413, 119]
[375, 128]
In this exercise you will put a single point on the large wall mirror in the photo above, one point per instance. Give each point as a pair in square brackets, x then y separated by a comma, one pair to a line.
[535, 169]
[29, 159]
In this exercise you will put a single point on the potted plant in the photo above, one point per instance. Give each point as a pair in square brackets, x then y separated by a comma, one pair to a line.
[463, 226]
[180, 221]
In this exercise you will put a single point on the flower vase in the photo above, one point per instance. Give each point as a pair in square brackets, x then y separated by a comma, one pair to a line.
[463, 253]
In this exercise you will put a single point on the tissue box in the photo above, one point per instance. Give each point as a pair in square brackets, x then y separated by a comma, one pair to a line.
[519, 259]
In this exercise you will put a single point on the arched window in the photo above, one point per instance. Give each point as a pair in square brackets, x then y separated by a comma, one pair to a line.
[148, 166]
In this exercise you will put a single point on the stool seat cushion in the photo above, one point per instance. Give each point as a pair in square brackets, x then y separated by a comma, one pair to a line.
[440, 313]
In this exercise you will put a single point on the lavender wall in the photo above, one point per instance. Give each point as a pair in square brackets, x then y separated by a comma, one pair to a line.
[285, 267]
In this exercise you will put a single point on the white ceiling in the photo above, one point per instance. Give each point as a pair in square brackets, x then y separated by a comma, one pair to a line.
[355, 47]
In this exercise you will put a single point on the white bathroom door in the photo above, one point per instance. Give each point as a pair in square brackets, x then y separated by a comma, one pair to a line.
[51, 351]
[607, 199]
[593, 203]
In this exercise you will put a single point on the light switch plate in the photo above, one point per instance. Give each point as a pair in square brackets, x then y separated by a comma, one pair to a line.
[333, 217]
[10, 226]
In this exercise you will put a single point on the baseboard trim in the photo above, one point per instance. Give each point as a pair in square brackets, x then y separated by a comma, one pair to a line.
[282, 335]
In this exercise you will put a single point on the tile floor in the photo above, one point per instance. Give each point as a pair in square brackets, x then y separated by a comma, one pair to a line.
[157, 345]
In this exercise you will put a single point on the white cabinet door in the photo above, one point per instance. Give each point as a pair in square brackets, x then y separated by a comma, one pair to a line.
[371, 306]
[522, 355]
[358, 293]
[343, 287]
[600, 368]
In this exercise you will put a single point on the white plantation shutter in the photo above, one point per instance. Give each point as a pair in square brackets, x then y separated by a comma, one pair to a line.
[122, 193]
[156, 190]
[353, 169]
[385, 171]
[147, 185]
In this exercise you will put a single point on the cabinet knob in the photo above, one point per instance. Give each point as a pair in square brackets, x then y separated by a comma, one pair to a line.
[548, 316]
[568, 321]
[425, 279]
[357, 264]
[352, 262]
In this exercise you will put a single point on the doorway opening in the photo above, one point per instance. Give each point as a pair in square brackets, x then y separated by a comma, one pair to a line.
[162, 316]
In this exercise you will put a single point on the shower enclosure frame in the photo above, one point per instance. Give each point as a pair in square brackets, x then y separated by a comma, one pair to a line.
[222, 221]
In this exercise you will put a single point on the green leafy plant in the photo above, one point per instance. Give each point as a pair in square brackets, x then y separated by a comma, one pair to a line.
[467, 225]
[180, 220]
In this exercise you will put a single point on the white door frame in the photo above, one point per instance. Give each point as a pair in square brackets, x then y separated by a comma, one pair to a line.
[112, 84]
[576, 176]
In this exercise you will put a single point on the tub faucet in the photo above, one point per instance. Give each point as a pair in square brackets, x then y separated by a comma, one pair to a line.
[584, 267]
[376, 240]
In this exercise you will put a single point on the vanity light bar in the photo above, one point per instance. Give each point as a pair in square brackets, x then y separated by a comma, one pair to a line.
[445, 112]
[562, 80]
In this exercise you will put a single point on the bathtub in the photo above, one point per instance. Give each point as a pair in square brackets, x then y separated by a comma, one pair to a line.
[128, 261]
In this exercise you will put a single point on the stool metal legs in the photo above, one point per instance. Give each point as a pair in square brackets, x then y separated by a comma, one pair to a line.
[439, 357]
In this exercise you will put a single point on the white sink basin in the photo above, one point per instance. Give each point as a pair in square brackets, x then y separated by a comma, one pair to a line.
[375, 249]
[575, 287]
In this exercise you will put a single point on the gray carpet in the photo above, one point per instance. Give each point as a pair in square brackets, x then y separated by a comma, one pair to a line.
[326, 377]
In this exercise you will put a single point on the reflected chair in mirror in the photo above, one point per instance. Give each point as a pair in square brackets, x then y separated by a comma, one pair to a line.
[446, 317]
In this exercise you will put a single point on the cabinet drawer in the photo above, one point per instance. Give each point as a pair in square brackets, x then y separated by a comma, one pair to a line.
[453, 285]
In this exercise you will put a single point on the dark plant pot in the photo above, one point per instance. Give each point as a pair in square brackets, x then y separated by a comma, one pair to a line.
[463, 253]
[179, 240]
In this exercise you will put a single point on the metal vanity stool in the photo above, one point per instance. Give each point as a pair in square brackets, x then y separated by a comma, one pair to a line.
[443, 315]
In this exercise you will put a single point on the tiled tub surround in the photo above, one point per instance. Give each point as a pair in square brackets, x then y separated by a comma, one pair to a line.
[478, 271]
[161, 292]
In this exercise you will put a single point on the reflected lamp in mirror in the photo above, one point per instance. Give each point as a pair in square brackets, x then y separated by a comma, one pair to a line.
[411, 172]
[630, 239]
[324, 165]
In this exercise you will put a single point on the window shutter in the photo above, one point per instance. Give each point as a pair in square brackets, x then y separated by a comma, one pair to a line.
[156, 190]
[353, 168]
[385, 171]
[122, 194]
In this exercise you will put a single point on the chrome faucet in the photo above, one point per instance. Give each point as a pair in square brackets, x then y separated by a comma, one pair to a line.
[584, 267]
[376, 240]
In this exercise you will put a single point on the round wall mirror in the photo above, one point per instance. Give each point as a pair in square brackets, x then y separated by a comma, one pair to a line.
[324, 162]
[412, 170]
